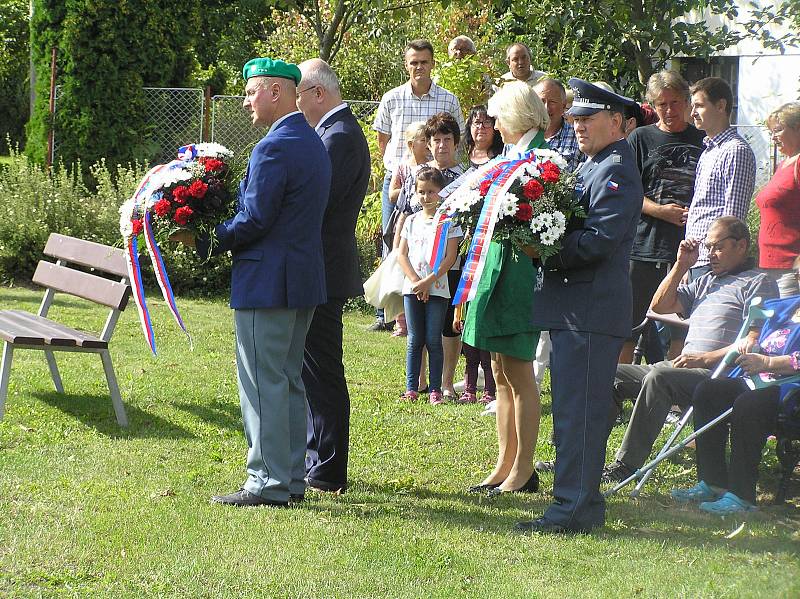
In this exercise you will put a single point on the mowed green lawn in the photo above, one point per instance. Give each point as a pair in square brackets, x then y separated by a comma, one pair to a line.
[88, 509]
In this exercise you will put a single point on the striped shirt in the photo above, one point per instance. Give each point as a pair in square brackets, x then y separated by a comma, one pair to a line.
[726, 176]
[717, 306]
[565, 143]
[399, 108]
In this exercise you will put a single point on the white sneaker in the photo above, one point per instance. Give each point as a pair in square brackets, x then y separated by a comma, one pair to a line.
[459, 386]
[491, 408]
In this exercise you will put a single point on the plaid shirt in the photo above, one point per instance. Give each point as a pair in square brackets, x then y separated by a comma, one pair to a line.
[726, 175]
[565, 143]
[399, 108]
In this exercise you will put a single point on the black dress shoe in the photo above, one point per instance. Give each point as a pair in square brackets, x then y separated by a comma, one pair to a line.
[532, 486]
[297, 497]
[326, 487]
[243, 498]
[540, 525]
[481, 488]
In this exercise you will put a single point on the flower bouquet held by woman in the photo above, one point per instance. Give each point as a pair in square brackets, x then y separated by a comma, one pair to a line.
[192, 192]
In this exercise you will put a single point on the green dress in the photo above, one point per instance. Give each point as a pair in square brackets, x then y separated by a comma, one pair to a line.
[499, 318]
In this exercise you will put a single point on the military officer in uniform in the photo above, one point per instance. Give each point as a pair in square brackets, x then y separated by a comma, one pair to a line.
[583, 297]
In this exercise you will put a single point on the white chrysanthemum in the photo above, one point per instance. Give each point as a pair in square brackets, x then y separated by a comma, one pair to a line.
[537, 224]
[552, 156]
[547, 220]
[125, 216]
[212, 150]
[560, 219]
[547, 238]
[531, 170]
[507, 205]
[173, 176]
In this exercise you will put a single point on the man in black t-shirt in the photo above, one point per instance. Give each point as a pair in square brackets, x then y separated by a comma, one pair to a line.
[666, 154]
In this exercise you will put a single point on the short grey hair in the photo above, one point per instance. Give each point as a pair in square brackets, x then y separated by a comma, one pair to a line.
[521, 45]
[463, 38]
[662, 80]
[735, 227]
[555, 82]
[518, 108]
[318, 72]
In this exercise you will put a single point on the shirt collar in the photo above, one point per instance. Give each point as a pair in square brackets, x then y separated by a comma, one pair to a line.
[432, 92]
[723, 135]
[328, 114]
[280, 120]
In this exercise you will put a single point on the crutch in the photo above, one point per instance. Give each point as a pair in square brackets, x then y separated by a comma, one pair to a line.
[754, 313]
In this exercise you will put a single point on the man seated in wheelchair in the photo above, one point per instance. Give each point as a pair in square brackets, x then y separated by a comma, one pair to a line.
[772, 366]
[716, 305]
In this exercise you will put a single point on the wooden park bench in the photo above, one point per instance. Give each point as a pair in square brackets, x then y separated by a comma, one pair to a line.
[24, 330]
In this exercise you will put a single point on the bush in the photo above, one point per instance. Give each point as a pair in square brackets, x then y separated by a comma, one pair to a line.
[35, 203]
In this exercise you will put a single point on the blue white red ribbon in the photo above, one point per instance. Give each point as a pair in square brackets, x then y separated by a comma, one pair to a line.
[482, 235]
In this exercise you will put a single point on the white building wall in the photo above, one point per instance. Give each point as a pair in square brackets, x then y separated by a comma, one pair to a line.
[765, 83]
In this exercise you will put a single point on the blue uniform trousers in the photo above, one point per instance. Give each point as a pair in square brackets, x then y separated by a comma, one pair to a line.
[582, 367]
[269, 360]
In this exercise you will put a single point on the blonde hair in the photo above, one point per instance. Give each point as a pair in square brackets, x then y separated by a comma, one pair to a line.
[414, 130]
[787, 115]
[518, 108]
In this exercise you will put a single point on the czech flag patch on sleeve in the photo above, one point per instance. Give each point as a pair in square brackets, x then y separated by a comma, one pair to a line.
[612, 185]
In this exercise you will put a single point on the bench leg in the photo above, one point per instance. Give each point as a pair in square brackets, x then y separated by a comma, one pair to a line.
[5, 371]
[113, 388]
[54, 374]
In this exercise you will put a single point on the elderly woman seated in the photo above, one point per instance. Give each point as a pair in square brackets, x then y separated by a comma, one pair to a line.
[729, 488]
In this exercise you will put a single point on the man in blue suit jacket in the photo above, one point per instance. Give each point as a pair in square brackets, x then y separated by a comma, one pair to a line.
[278, 278]
[583, 297]
[320, 101]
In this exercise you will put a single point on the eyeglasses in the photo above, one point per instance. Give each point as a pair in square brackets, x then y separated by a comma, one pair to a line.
[485, 124]
[302, 91]
[717, 245]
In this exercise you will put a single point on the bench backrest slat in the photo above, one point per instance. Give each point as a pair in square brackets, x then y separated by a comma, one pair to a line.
[87, 253]
[81, 284]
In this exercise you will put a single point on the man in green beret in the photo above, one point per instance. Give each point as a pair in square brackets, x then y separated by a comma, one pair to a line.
[277, 280]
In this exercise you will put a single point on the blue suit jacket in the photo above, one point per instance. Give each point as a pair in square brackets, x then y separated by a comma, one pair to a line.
[349, 153]
[586, 286]
[276, 236]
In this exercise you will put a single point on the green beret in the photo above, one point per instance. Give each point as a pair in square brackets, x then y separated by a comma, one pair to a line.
[267, 67]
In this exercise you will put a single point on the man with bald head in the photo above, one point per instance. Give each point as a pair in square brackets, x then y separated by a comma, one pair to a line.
[320, 100]
[277, 279]
[518, 59]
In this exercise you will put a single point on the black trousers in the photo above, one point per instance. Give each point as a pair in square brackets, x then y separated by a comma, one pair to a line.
[754, 417]
[328, 398]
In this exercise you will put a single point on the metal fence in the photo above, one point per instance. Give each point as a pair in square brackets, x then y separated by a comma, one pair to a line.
[174, 117]
[231, 126]
[767, 158]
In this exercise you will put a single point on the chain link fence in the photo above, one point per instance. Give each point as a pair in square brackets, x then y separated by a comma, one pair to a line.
[767, 159]
[232, 127]
[175, 118]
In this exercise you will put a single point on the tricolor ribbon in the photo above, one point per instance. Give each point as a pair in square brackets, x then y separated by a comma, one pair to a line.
[482, 235]
[148, 188]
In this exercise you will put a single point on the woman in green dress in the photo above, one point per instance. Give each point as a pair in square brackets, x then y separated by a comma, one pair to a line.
[498, 319]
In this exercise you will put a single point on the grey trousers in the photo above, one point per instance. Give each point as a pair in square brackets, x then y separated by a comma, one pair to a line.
[656, 387]
[269, 360]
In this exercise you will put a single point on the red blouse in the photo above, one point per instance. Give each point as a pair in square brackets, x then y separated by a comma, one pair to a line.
[779, 205]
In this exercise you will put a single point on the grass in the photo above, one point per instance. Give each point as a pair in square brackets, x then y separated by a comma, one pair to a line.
[88, 509]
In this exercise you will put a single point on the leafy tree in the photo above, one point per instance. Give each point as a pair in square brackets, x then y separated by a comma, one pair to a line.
[13, 69]
[107, 52]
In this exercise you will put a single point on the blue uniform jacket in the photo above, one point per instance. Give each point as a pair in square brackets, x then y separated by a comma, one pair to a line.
[276, 236]
[586, 286]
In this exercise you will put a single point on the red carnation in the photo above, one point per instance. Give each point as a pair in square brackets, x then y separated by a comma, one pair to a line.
[181, 194]
[550, 172]
[162, 207]
[137, 226]
[485, 185]
[532, 190]
[182, 215]
[524, 212]
[212, 164]
[198, 190]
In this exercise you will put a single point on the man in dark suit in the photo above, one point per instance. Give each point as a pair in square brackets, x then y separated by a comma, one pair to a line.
[320, 101]
[277, 280]
[583, 297]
